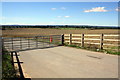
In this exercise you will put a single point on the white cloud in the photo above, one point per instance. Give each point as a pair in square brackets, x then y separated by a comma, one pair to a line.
[97, 9]
[117, 9]
[59, 16]
[63, 8]
[53, 8]
[66, 16]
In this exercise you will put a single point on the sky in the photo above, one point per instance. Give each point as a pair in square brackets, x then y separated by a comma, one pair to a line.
[61, 13]
[60, 0]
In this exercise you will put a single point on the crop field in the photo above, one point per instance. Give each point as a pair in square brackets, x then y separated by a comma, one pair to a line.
[22, 32]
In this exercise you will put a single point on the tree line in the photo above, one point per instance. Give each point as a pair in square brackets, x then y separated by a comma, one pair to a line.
[59, 26]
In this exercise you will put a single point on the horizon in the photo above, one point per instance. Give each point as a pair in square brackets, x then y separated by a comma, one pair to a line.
[60, 13]
[63, 25]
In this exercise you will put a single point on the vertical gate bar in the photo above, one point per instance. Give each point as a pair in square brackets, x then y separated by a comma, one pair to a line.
[40, 41]
[43, 40]
[28, 43]
[20, 43]
[49, 40]
[12, 43]
[36, 42]
[2, 42]
[52, 40]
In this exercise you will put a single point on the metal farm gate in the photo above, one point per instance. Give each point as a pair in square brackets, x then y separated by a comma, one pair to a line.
[25, 43]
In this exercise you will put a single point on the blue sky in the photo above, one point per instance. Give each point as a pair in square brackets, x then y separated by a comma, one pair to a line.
[82, 13]
[60, 0]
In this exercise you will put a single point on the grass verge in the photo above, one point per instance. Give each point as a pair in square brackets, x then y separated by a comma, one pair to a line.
[110, 51]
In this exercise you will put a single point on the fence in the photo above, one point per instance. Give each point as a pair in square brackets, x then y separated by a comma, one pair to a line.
[101, 41]
[23, 43]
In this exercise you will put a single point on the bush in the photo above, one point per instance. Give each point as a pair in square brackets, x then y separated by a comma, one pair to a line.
[8, 70]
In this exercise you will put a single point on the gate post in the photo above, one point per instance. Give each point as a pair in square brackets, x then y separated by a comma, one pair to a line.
[62, 39]
[101, 41]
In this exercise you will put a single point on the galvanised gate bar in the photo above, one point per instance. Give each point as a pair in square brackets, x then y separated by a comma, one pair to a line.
[24, 43]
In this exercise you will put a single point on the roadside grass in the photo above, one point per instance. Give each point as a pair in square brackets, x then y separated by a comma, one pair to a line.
[8, 70]
[110, 51]
[114, 50]
[115, 47]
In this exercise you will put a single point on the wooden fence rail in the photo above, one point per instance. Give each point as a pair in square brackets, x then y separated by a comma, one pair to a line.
[103, 41]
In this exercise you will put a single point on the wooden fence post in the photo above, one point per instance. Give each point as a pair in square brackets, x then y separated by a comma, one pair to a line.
[82, 40]
[62, 39]
[70, 42]
[101, 41]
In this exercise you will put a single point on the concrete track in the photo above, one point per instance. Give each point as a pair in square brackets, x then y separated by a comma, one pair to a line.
[66, 62]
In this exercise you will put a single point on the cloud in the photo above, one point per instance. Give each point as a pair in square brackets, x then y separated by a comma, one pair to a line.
[63, 8]
[97, 9]
[59, 16]
[63, 16]
[117, 9]
[53, 8]
[66, 16]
